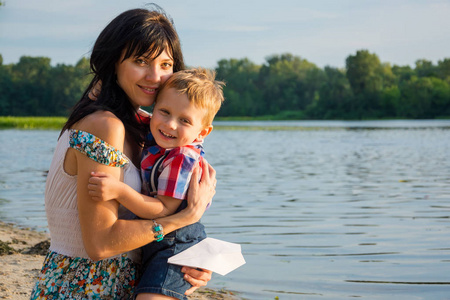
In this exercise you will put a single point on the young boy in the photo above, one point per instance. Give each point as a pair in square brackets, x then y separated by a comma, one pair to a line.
[182, 118]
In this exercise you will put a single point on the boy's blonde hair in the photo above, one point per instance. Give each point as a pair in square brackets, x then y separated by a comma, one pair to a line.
[201, 88]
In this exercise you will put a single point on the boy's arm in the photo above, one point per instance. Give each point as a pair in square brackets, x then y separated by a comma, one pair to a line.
[147, 207]
[170, 203]
[103, 187]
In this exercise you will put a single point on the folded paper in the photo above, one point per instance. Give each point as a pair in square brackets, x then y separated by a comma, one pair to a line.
[211, 254]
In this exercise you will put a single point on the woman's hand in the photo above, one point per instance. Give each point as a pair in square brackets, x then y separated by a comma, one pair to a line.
[201, 191]
[196, 278]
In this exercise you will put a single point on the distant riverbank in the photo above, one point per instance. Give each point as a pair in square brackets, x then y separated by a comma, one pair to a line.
[241, 123]
[32, 122]
[10, 122]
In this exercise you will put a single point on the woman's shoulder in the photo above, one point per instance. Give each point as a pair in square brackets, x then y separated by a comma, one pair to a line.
[105, 126]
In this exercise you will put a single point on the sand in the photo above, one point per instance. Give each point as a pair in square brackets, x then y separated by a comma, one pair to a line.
[22, 254]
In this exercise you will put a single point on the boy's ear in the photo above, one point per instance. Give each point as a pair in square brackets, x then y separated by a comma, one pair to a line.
[207, 130]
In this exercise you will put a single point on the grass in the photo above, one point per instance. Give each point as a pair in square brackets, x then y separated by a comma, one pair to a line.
[58, 123]
[281, 116]
[5, 249]
[32, 122]
[270, 128]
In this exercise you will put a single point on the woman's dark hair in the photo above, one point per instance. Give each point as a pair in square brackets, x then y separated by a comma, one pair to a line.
[137, 32]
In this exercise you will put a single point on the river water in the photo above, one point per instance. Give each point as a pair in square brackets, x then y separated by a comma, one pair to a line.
[322, 210]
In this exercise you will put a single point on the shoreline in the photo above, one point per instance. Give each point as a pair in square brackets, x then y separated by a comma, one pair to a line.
[22, 252]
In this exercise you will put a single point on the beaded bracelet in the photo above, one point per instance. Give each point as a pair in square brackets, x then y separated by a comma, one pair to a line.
[158, 231]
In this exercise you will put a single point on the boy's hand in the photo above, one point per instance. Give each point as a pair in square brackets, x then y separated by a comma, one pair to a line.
[103, 187]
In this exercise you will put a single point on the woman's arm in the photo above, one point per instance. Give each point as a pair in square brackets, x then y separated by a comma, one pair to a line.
[104, 235]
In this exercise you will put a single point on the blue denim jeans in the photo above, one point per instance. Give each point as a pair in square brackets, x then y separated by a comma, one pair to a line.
[160, 277]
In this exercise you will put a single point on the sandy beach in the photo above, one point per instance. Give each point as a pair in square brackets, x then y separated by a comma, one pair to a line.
[22, 253]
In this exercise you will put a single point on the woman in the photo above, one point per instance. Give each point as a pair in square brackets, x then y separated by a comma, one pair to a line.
[91, 242]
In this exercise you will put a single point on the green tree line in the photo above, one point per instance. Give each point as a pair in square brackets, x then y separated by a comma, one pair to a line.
[285, 87]
[33, 87]
[292, 87]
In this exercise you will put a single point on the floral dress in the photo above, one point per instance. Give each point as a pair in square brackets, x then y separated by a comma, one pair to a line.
[70, 277]
[64, 277]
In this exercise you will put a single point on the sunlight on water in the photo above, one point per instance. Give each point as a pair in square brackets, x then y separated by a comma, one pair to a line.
[320, 214]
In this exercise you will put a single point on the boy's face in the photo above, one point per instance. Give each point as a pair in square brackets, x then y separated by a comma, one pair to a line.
[176, 121]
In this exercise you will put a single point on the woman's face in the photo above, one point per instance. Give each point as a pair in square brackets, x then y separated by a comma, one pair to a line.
[140, 77]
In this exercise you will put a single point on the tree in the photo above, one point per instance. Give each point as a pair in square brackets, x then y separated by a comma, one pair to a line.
[334, 96]
[242, 96]
[287, 86]
[30, 77]
[390, 101]
[444, 69]
[67, 86]
[32, 87]
[402, 73]
[363, 72]
[368, 77]
[289, 82]
[425, 68]
[424, 97]
[6, 88]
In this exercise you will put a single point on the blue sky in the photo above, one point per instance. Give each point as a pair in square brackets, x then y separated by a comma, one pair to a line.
[323, 32]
